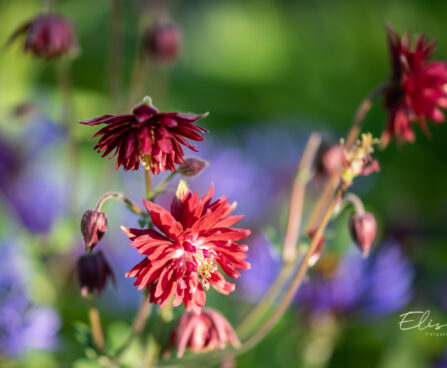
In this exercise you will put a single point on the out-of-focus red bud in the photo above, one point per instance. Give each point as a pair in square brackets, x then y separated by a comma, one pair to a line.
[93, 227]
[363, 228]
[93, 273]
[205, 331]
[163, 42]
[329, 160]
[192, 167]
[317, 252]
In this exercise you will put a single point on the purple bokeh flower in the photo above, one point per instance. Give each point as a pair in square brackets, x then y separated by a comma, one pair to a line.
[23, 326]
[24, 168]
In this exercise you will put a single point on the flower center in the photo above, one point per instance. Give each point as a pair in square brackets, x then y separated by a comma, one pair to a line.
[206, 268]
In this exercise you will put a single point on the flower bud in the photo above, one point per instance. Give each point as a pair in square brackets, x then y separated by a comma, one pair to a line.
[363, 228]
[48, 36]
[192, 167]
[205, 331]
[162, 42]
[93, 273]
[329, 160]
[93, 227]
[317, 252]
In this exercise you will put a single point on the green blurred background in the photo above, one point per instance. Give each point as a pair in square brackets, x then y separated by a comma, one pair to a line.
[286, 65]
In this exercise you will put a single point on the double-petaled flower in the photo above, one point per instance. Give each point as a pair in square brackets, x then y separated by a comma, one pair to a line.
[47, 36]
[417, 88]
[148, 137]
[194, 242]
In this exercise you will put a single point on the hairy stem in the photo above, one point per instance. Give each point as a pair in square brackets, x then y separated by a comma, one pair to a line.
[116, 195]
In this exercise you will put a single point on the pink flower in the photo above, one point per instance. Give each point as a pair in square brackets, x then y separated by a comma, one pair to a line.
[163, 42]
[363, 228]
[182, 257]
[208, 330]
[47, 36]
[417, 90]
[147, 136]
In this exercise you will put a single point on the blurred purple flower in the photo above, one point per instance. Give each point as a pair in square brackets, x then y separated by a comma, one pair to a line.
[31, 179]
[23, 326]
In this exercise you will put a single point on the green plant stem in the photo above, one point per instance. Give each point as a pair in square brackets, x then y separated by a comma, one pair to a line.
[148, 183]
[116, 195]
[162, 185]
[95, 323]
[115, 52]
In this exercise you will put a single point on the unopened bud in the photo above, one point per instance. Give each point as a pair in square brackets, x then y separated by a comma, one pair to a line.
[363, 228]
[163, 42]
[192, 167]
[317, 252]
[93, 273]
[329, 160]
[93, 227]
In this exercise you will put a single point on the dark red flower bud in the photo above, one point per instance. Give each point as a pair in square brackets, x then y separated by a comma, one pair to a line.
[163, 42]
[192, 167]
[47, 36]
[205, 331]
[93, 272]
[329, 160]
[317, 252]
[363, 228]
[93, 227]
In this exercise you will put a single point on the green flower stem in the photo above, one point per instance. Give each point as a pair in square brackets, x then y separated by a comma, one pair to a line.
[162, 186]
[116, 195]
[148, 182]
[95, 324]
[115, 52]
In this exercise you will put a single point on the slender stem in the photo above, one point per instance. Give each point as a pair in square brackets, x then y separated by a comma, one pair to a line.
[292, 232]
[48, 6]
[138, 79]
[143, 314]
[115, 52]
[162, 185]
[356, 202]
[129, 204]
[362, 111]
[95, 323]
[297, 198]
[148, 182]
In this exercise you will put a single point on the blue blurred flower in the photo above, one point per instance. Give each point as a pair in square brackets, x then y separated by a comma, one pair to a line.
[23, 326]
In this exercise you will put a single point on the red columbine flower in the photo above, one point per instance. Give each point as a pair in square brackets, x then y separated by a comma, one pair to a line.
[47, 36]
[418, 87]
[182, 258]
[206, 331]
[94, 271]
[147, 136]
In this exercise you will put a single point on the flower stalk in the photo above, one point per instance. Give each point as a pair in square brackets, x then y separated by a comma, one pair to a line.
[95, 324]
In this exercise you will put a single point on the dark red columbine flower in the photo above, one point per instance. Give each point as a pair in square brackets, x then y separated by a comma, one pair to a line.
[47, 36]
[363, 228]
[417, 88]
[93, 227]
[183, 257]
[192, 167]
[163, 42]
[147, 136]
[206, 331]
[94, 271]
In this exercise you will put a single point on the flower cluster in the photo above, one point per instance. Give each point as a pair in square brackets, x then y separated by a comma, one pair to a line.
[417, 88]
[183, 258]
[147, 136]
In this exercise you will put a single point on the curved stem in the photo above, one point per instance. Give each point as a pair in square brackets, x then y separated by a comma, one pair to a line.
[95, 323]
[116, 195]
[297, 198]
[355, 201]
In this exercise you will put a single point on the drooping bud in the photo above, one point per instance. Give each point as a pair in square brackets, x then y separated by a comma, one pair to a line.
[93, 273]
[317, 252]
[47, 36]
[162, 42]
[192, 167]
[329, 160]
[208, 330]
[93, 227]
[363, 228]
